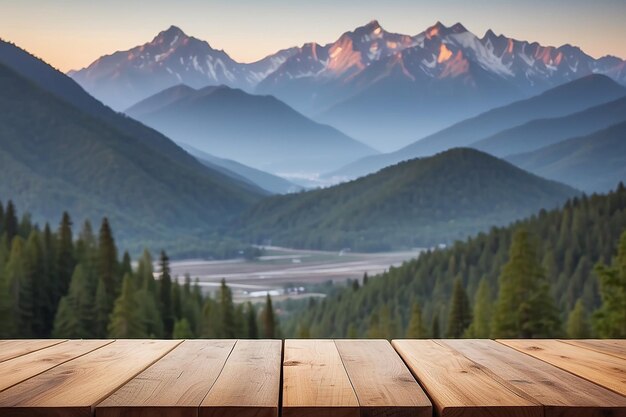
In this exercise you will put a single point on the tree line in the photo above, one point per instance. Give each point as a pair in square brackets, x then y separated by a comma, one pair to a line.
[55, 285]
[560, 273]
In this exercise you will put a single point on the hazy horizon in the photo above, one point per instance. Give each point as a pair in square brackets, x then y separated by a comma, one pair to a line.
[249, 31]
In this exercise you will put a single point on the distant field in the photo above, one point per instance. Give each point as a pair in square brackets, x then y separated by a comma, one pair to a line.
[283, 271]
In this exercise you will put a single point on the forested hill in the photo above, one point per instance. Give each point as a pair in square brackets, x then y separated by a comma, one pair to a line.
[422, 202]
[566, 243]
[56, 157]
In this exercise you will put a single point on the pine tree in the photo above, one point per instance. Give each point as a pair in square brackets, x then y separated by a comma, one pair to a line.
[577, 323]
[125, 320]
[182, 329]
[48, 301]
[269, 319]
[107, 262]
[434, 328]
[165, 296]
[11, 225]
[373, 330]
[20, 288]
[66, 262]
[7, 325]
[481, 321]
[416, 328]
[460, 316]
[524, 308]
[610, 318]
[1, 218]
[209, 328]
[101, 313]
[145, 272]
[177, 303]
[352, 332]
[251, 321]
[126, 265]
[226, 313]
[149, 314]
[39, 284]
[74, 316]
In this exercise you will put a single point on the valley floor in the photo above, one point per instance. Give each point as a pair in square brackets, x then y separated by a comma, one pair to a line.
[287, 273]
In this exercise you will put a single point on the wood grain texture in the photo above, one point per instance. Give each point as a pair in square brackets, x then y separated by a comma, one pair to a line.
[383, 384]
[73, 388]
[460, 387]
[602, 369]
[10, 349]
[315, 382]
[615, 347]
[561, 393]
[21, 368]
[173, 386]
[249, 384]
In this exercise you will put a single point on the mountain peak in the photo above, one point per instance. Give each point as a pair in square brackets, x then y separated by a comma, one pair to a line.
[435, 30]
[170, 35]
[372, 27]
[458, 28]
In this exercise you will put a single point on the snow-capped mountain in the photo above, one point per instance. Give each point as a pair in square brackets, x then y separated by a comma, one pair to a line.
[415, 85]
[171, 58]
[369, 82]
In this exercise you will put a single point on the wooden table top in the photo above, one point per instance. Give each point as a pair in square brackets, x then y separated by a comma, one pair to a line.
[305, 378]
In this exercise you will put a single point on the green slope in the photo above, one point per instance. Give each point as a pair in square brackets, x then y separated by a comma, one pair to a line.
[570, 241]
[593, 163]
[55, 157]
[420, 202]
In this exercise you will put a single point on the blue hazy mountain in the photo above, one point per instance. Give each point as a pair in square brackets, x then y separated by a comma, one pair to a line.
[543, 132]
[592, 163]
[259, 131]
[560, 101]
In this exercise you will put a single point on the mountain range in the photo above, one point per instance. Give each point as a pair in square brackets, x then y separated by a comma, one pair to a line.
[416, 203]
[56, 156]
[592, 163]
[572, 97]
[259, 131]
[365, 83]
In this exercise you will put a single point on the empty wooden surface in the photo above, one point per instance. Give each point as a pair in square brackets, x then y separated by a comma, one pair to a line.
[23, 367]
[315, 382]
[600, 368]
[382, 383]
[175, 385]
[616, 347]
[321, 378]
[13, 348]
[249, 384]
[560, 392]
[73, 388]
[460, 387]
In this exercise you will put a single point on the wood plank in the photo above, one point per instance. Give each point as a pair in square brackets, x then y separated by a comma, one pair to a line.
[174, 385]
[10, 349]
[561, 393]
[606, 370]
[249, 384]
[615, 347]
[315, 382]
[23, 367]
[73, 388]
[383, 384]
[460, 387]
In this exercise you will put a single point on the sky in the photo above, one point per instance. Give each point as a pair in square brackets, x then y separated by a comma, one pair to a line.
[70, 34]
